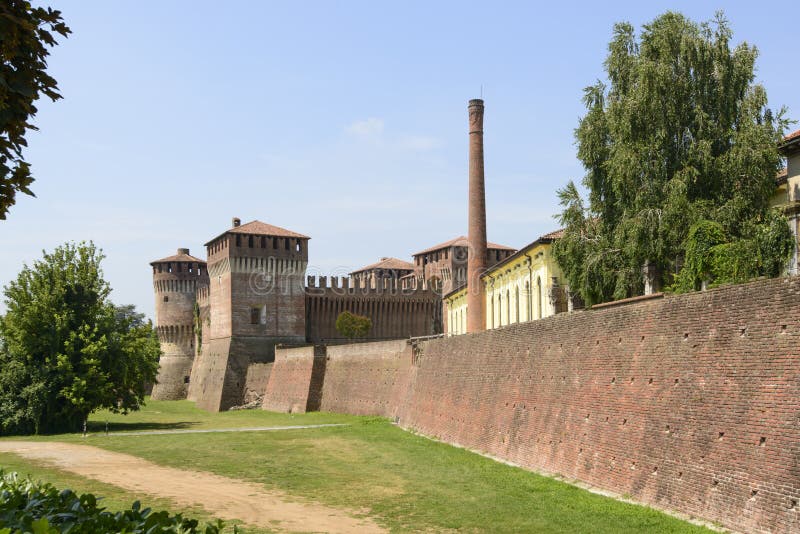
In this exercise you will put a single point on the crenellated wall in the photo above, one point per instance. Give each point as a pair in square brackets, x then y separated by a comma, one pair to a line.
[395, 312]
[689, 402]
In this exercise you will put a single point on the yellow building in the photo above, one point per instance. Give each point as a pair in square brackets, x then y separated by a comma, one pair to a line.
[525, 286]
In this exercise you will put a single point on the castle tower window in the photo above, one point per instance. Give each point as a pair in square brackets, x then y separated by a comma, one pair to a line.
[275, 242]
[249, 241]
[263, 242]
[255, 315]
[238, 241]
[299, 246]
[286, 244]
[166, 298]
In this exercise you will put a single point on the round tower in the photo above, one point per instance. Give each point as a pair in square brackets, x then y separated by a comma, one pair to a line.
[176, 280]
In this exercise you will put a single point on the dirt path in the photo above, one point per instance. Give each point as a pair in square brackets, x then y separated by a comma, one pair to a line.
[223, 497]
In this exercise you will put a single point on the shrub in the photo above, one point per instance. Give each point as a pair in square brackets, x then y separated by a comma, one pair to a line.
[39, 508]
[353, 326]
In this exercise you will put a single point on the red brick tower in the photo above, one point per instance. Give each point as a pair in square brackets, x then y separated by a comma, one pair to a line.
[476, 259]
[176, 280]
[256, 301]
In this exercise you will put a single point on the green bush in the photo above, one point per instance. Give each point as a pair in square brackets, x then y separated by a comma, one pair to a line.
[353, 326]
[27, 506]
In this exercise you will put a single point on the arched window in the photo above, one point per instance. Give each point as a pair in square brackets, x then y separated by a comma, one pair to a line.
[508, 307]
[500, 309]
[492, 311]
[539, 311]
[528, 299]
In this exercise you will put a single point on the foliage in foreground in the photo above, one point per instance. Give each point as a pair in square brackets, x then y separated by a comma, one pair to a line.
[29, 506]
[353, 326]
[66, 349]
[26, 32]
[681, 154]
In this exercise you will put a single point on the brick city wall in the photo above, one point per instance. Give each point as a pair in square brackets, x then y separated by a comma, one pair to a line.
[290, 384]
[255, 382]
[395, 312]
[688, 402]
[366, 378]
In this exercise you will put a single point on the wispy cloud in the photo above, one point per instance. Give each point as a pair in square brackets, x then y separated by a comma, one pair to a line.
[368, 128]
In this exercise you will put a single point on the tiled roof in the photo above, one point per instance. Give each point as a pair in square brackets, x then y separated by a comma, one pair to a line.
[554, 235]
[460, 241]
[388, 264]
[261, 228]
[546, 238]
[179, 257]
[792, 136]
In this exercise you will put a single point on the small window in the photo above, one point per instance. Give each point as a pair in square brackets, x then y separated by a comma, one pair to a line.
[263, 242]
[275, 242]
[255, 315]
[299, 247]
[250, 241]
[166, 298]
[238, 241]
[286, 244]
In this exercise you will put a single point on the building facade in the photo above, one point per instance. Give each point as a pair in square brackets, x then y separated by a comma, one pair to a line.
[525, 286]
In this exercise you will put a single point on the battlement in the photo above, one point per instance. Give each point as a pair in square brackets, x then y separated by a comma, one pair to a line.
[178, 334]
[270, 265]
[348, 285]
[177, 286]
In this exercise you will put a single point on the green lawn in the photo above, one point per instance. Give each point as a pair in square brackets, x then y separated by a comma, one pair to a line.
[406, 482]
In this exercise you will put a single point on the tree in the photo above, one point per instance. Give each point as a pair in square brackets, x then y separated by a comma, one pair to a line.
[353, 326]
[66, 349]
[25, 34]
[680, 141]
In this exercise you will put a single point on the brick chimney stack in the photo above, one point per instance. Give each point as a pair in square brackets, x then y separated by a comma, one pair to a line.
[476, 259]
[236, 221]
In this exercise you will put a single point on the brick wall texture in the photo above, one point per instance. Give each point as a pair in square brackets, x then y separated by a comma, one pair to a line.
[690, 402]
[366, 378]
[290, 382]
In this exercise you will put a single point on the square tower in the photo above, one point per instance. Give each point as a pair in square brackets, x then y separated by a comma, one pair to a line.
[256, 300]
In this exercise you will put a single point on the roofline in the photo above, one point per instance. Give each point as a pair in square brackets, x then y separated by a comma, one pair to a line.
[449, 244]
[167, 260]
[372, 267]
[454, 291]
[521, 252]
[789, 145]
[228, 231]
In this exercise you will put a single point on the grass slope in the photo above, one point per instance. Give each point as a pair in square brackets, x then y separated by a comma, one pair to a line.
[406, 482]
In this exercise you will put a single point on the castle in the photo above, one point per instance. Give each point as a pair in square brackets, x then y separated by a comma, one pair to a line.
[220, 320]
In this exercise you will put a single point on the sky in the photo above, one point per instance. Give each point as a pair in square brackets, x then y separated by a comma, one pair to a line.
[345, 121]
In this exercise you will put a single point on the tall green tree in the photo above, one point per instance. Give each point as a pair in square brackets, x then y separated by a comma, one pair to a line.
[66, 349]
[26, 33]
[680, 151]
